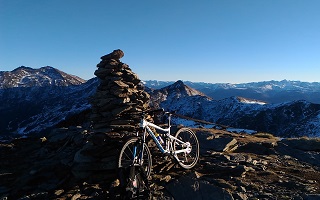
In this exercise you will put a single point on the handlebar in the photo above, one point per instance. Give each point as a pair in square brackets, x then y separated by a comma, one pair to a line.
[154, 111]
[159, 110]
[150, 112]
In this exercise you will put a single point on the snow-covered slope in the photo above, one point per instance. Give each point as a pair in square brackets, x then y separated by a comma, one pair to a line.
[32, 100]
[33, 109]
[296, 118]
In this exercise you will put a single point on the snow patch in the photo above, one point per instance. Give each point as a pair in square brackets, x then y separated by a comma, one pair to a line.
[239, 130]
[252, 102]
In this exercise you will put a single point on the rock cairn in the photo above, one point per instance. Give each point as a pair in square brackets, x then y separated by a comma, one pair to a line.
[119, 94]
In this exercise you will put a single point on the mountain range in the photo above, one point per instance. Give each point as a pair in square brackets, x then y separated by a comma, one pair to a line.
[35, 100]
[288, 119]
[268, 91]
[29, 77]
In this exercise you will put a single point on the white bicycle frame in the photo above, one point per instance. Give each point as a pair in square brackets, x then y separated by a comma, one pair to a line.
[145, 125]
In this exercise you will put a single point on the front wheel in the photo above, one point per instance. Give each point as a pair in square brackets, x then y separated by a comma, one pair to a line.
[130, 155]
[188, 142]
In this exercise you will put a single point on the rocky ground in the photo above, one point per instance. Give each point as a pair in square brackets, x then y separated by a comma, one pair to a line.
[75, 164]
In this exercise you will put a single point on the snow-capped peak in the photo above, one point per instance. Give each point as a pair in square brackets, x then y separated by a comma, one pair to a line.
[179, 89]
[44, 76]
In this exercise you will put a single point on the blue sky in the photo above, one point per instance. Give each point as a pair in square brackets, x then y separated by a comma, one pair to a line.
[216, 41]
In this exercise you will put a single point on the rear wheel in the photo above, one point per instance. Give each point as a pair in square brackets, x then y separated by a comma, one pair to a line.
[189, 158]
[130, 155]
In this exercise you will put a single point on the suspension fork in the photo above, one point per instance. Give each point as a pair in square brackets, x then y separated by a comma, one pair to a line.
[169, 141]
[139, 148]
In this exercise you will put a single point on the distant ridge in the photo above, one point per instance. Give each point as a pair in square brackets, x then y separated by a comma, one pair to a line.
[287, 119]
[33, 100]
[266, 91]
[44, 76]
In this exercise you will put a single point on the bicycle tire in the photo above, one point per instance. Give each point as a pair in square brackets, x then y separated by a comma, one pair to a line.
[126, 156]
[187, 160]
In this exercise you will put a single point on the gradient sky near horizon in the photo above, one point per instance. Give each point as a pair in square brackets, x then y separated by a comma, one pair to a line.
[214, 41]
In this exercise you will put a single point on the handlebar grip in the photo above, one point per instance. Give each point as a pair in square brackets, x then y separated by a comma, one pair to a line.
[171, 112]
[159, 110]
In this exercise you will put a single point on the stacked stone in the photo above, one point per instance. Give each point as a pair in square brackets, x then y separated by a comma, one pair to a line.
[119, 95]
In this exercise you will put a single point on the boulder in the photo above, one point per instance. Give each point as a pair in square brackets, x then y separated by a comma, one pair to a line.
[219, 144]
[257, 148]
[304, 156]
[304, 144]
[116, 54]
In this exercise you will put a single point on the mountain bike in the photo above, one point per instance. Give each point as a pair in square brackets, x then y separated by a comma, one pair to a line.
[136, 156]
